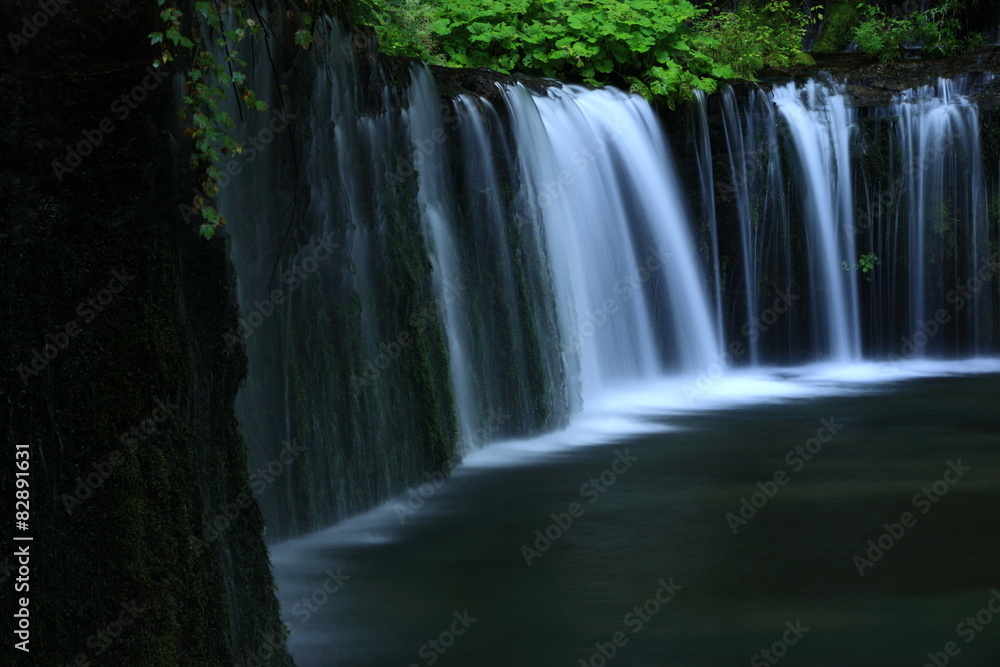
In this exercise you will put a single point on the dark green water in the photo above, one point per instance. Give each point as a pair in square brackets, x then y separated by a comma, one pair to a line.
[664, 518]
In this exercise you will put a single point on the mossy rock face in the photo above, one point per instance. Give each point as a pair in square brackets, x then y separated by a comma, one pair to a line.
[842, 17]
[803, 60]
[128, 419]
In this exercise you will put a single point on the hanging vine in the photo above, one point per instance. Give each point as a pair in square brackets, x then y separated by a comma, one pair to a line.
[210, 127]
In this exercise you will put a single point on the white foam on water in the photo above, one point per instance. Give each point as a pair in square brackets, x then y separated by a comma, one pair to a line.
[623, 415]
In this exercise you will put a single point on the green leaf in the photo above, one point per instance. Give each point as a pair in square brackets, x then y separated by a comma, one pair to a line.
[440, 26]
[303, 38]
[604, 65]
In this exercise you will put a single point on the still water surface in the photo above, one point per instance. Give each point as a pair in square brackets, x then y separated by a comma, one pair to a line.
[651, 522]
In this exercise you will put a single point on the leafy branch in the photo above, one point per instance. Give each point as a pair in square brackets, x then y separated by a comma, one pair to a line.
[866, 263]
[218, 26]
[936, 31]
[661, 49]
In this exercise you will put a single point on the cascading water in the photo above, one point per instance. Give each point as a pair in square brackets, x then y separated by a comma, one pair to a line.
[349, 368]
[429, 262]
[819, 122]
[903, 183]
[617, 234]
[737, 150]
[424, 124]
[502, 336]
[429, 273]
[706, 178]
[758, 194]
[541, 266]
[945, 208]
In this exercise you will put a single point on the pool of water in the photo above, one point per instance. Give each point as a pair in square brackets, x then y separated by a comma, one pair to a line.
[725, 533]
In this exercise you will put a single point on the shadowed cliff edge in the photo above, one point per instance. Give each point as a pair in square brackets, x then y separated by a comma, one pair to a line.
[116, 378]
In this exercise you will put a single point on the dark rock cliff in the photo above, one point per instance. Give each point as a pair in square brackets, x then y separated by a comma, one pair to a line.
[116, 379]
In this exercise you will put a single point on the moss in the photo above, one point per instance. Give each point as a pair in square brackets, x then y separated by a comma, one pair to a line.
[160, 338]
[838, 29]
[803, 59]
[366, 438]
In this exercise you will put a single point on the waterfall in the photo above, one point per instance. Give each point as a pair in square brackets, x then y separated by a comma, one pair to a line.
[756, 177]
[344, 326]
[425, 124]
[945, 207]
[617, 232]
[425, 268]
[739, 168]
[437, 275]
[706, 178]
[502, 335]
[819, 121]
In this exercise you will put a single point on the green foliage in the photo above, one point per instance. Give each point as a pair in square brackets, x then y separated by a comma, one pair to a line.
[842, 17]
[351, 12]
[757, 35]
[937, 31]
[205, 89]
[208, 79]
[659, 48]
[866, 263]
[404, 29]
[647, 43]
[881, 36]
